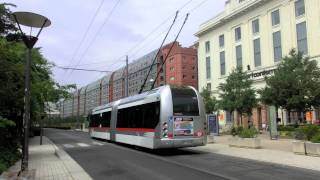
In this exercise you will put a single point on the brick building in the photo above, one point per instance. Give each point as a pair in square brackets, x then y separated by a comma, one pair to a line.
[180, 67]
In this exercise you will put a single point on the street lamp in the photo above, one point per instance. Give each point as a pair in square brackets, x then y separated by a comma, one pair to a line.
[31, 20]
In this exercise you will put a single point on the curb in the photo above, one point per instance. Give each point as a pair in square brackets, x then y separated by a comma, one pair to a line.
[74, 169]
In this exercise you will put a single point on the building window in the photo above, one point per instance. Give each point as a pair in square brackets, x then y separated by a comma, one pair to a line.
[255, 26]
[302, 38]
[208, 67]
[209, 86]
[221, 41]
[171, 60]
[239, 55]
[237, 32]
[275, 16]
[192, 77]
[257, 52]
[184, 76]
[172, 78]
[193, 68]
[222, 63]
[171, 68]
[207, 46]
[300, 8]
[277, 46]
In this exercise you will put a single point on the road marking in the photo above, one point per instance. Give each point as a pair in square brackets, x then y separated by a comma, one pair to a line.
[97, 143]
[83, 145]
[68, 145]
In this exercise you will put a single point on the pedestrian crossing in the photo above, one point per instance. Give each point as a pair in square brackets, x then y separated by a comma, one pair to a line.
[83, 145]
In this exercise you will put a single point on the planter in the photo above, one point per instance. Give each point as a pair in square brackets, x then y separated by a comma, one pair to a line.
[298, 147]
[313, 149]
[210, 139]
[254, 143]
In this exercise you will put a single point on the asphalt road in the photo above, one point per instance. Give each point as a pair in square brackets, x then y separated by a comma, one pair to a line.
[105, 160]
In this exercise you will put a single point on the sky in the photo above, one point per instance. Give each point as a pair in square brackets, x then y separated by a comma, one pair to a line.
[98, 34]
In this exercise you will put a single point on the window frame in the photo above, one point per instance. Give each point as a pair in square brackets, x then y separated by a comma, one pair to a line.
[222, 63]
[274, 21]
[208, 67]
[277, 46]
[257, 52]
[298, 7]
[237, 34]
[239, 55]
[254, 29]
[302, 39]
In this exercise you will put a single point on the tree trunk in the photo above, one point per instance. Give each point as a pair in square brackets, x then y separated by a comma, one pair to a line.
[289, 118]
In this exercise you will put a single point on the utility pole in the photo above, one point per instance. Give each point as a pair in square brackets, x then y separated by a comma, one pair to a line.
[127, 76]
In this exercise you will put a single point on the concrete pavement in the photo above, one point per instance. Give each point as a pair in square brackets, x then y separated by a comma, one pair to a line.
[272, 151]
[48, 162]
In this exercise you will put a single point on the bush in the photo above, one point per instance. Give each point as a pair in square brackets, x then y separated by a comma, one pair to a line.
[286, 128]
[236, 130]
[248, 133]
[9, 153]
[316, 138]
[307, 132]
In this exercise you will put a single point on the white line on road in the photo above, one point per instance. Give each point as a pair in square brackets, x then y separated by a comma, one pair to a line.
[68, 145]
[97, 143]
[83, 145]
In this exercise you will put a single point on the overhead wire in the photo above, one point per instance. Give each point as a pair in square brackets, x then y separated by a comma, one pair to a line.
[86, 32]
[149, 34]
[157, 27]
[95, 36]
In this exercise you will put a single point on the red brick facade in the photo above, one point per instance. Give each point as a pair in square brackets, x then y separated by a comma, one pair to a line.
[180, 67]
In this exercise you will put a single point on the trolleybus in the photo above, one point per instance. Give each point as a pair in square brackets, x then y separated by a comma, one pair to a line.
[165, 117]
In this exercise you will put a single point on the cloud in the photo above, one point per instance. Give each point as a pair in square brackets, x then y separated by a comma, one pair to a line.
[126, 29]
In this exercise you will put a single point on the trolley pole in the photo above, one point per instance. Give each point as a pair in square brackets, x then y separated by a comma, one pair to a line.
[127, 76]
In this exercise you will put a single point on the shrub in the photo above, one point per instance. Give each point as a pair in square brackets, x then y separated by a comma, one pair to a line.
[236, 130]
[9, 153]
[248, 133]
[286, 128]
[316, 138]
[307, 132]
[310, 131]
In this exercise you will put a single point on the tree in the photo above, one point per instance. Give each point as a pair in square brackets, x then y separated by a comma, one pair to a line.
[236, 94]
[6, 23]
[43, 88]
[210, 101]
[295, 85]
[12, 58]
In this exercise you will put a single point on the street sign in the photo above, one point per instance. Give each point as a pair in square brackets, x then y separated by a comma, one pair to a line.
[213, 124]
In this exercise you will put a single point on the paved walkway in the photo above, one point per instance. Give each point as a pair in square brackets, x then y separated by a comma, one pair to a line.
[273, 151]
[50, 162]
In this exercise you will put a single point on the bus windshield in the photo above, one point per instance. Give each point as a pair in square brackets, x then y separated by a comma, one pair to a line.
[185, 102]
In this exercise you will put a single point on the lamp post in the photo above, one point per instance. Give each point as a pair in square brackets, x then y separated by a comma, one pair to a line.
[30, 20]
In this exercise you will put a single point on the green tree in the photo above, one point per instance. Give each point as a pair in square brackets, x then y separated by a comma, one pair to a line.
[295, 85]
[210, 101]
[237, 94]
[6, 23]
[43, 87]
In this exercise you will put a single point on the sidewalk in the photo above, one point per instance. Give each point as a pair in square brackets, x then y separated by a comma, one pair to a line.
[49, 162]
[272, 151]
